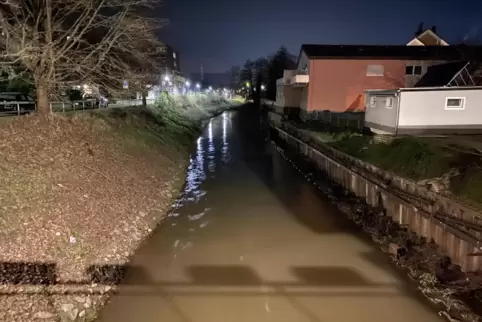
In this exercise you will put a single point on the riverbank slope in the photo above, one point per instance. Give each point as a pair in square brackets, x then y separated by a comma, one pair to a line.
[80, 193]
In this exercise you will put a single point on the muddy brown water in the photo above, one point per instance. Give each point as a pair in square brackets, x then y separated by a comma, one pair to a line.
[251, 240]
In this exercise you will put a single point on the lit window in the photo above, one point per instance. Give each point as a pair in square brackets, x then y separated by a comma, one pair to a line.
[375, 70]
[389, 102]
[455, 103]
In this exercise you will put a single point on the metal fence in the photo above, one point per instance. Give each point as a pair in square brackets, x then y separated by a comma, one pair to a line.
[22, 107]
[16, 108]
[341, 120]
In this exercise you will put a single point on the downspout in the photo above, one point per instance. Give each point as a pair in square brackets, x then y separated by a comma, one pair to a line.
[399, 103]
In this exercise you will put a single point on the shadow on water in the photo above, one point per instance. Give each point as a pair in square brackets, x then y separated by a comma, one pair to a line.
[198, 275]
[301, 199]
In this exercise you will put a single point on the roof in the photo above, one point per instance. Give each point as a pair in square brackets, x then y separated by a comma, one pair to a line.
[428, 32]
[440, 75]
[461, 52]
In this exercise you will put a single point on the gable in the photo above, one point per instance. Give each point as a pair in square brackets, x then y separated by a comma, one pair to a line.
[303, 63]
[428, 38]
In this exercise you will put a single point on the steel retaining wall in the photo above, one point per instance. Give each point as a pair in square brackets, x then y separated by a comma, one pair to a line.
[456, 243]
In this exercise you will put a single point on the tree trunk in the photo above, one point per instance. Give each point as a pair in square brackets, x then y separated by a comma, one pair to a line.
[144, 98]
[43, 106]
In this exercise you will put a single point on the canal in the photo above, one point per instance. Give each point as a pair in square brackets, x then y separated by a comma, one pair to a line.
[250, 240]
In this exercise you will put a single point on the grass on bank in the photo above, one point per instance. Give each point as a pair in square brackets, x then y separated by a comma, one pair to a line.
[411, 157]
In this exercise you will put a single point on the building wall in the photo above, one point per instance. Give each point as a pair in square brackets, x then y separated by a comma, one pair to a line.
[381, 118]
[304, 97]
[411, 80]
[338, 84]
[425, 110]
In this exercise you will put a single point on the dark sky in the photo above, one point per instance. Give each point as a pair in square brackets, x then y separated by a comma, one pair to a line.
[222, 33]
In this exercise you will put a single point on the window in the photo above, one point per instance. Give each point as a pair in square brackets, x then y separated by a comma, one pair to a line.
[413, 70]
[174, 55]
[389, 102]
[455, 103]
[373, 101]
[375, 70]
[161, 49]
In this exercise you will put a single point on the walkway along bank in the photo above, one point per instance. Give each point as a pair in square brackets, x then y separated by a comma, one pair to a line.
[455, 228]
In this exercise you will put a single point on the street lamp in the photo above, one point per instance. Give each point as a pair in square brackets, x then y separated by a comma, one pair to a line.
[263, 87]
[188, 83]
[248, 84]
[198, 86]
[166, 78]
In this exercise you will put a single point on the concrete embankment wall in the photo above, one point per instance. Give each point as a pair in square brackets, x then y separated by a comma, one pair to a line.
[420, 212]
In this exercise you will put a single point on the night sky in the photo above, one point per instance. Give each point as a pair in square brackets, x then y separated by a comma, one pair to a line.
[222, 33]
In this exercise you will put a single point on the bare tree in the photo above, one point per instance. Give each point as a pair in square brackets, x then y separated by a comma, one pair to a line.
[65, 42]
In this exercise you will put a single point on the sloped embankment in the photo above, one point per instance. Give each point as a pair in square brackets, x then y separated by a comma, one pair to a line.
[78, 195]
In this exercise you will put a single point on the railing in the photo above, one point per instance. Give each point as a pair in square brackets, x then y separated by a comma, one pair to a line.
[22, 107]
[354, 120]
[16, 108]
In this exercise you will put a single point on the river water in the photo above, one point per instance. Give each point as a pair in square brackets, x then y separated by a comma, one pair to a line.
[251, 240]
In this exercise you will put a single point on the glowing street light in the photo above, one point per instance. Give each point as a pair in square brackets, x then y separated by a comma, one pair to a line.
[263, 87]
[188, 83]
[166, 78]
[248, 84]
[198, 86]
[210, 88]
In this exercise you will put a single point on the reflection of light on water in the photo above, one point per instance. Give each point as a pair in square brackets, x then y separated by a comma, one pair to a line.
[224, 150]
[211, 149]
[210, 130]
[194, 178]
[196, 217]
[224, 127]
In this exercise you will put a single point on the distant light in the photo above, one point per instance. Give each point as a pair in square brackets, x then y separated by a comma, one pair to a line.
[198, 85]
[248, 84]
[166, 78]
[188, 83]
[210, 88]
[263, 87]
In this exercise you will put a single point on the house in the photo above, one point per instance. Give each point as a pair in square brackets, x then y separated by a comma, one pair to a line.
[334, 77]
[169, 59]
[427, 38]
[446, 100]
[287, 95]
[416, 68]
[425, 110]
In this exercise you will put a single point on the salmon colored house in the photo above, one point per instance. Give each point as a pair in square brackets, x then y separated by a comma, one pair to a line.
[335, 77]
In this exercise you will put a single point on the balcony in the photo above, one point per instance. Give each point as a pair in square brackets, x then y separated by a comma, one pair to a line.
[300, 80]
